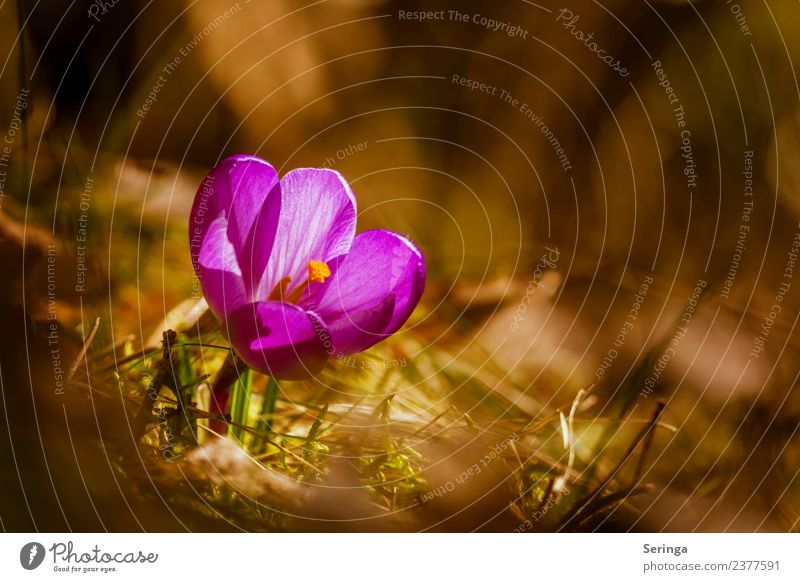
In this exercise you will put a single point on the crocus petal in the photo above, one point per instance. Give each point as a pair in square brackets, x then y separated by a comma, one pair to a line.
[279, 339]
[361, 328]
[254, 255]
[373, 291]
[236, 188]
[317, 222]
[218, 271]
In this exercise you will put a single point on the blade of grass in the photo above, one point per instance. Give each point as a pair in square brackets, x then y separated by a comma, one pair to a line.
[607, 502]
[589, 501]
[87, 342]
[240, 404]
[267, 412]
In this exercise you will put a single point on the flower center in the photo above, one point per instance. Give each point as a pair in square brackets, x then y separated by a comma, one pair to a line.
[318, 271]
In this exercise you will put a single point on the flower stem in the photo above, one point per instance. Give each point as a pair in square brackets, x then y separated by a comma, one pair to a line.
[267, 411]
[221, 392]
[240, 405]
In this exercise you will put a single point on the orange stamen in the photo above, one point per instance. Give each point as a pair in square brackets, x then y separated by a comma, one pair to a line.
[278, 292]
[318, 271]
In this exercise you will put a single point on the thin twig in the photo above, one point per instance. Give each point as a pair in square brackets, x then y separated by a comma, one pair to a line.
[433, 421]
[647, 442]
[87, 342]
[602, 503]
[590, 498]
[547, 493]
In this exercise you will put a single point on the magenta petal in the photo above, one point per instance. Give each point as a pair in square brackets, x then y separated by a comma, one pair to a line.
[236, 188]
[218, 271]
[374, 290]
[317, 222]
[361, 328]
[254, 255]
[279, 339]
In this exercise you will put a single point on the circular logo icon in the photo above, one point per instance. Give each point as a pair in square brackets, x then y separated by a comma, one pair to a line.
[31, 555]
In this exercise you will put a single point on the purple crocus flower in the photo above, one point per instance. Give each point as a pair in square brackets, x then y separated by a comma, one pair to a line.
[281, 265]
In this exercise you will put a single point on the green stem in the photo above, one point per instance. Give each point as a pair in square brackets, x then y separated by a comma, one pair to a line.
[227, 375]
[240, 405]
[267, 410]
